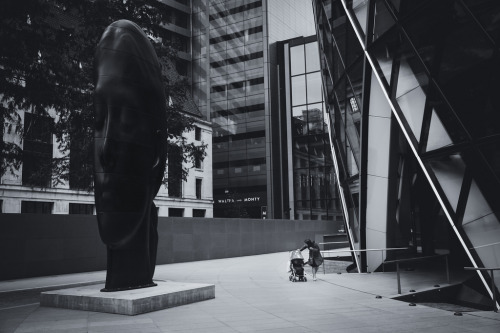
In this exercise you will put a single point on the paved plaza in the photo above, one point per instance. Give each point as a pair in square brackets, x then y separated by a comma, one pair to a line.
[252, 294]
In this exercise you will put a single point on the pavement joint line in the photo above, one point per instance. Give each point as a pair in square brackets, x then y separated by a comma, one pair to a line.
[479, 316]
[19, 306]
[51, 287]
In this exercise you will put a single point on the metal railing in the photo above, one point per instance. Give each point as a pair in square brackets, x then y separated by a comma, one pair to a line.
[417, 259]
[363, 250]
[343, 242]
[492, 281]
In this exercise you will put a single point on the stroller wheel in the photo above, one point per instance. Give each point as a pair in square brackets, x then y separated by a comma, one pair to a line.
[305, 279]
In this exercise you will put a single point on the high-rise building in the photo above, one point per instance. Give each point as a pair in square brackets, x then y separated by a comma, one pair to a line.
[410, 87]
[233, 70]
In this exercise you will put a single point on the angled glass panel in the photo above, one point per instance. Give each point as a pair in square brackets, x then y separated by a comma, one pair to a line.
[383, 51]
[410, 93]
[340, 95]
[412, 104]
[339, 31]
[487, 13]
[482, 227]
[438, 136]
[353, 208]
[395, 4]
[351, 163]
[492, 154]
[464, 61]
[353, 47]
[360, 8]
[477, 207]
[355, 75]
[449, 171]
[411, 75]
[382, 20]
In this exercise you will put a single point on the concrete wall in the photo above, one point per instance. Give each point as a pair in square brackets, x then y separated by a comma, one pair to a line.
[40, 245]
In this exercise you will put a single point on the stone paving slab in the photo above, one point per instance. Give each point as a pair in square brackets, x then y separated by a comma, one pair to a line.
[166, 294]
[254, 295]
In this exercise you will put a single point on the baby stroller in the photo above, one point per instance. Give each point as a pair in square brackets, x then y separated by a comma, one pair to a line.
[297, 266]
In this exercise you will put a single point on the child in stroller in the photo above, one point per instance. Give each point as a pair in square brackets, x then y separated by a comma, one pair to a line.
[296, 266]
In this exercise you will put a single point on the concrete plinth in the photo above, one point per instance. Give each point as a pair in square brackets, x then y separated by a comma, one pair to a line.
[129, 302]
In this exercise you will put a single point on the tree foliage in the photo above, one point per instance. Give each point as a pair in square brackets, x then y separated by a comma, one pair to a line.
[46, 67]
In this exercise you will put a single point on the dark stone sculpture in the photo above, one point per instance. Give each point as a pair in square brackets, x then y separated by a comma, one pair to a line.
[129, 153]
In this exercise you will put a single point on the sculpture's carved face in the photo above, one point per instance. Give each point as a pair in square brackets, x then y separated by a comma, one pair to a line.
[129, 160]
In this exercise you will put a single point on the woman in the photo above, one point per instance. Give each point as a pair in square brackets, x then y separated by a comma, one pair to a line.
[315, 258]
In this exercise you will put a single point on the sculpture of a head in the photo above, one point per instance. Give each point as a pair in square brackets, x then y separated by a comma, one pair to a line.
[129, 133]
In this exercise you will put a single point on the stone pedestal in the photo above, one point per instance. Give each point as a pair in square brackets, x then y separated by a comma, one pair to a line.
[129, 302]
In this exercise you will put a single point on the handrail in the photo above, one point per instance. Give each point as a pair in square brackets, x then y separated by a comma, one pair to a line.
[491, 269]
[334, 242]
[415, 259]
[363, 250]
[366, 250]
[485, 245]
[481, 268]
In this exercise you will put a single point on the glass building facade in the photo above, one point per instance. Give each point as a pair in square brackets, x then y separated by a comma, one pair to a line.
[309, 189]
[415, 125]
[232, 61]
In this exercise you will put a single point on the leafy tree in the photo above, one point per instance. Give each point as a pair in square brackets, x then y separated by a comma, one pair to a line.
[46, 67]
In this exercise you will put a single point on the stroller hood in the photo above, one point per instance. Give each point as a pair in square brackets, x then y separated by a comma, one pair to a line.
[296, 254]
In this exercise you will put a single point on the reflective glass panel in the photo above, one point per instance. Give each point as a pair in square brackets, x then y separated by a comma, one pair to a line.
[312, 56]
[314, 87]
[299, 90]
[297, 60]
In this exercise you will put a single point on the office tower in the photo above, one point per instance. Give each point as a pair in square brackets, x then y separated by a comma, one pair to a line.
[232, 80]
[411, 89]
